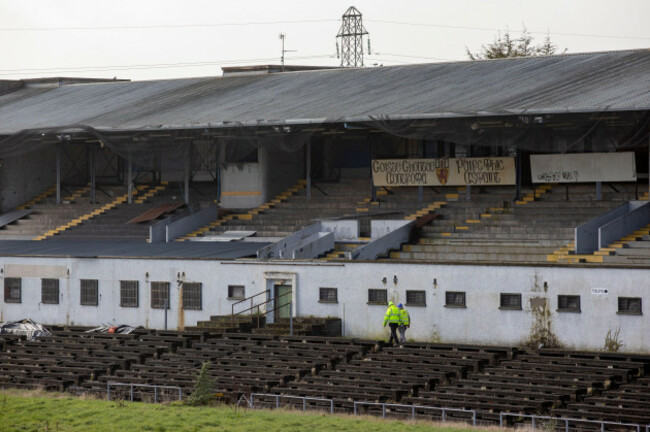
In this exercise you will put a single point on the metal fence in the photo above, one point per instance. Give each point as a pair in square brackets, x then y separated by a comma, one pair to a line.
[413, 408]
[535, 419]
[568, 421]
[250, 401]
[151, 386]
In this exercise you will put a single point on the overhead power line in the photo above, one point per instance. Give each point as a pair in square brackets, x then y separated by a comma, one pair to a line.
[168, 26]
[146, 66]
[254, 23]
[497, 30]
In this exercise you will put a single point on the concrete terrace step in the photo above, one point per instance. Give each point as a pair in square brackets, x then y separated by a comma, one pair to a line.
[475, 256]
[501, 229]
[502, 236]
[509, 241]
[481, 248]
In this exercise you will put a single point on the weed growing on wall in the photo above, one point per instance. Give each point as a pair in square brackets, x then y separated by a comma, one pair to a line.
[612, 341]
[541, 333]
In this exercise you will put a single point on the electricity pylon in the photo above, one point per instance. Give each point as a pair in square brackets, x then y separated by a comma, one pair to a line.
[351, 34]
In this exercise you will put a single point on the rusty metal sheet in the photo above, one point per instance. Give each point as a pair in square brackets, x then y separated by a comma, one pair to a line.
[155, 213]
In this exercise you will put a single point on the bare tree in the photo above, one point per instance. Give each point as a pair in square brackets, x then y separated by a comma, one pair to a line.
[506, 46]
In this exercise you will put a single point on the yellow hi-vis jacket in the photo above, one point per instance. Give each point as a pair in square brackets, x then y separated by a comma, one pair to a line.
[404, 318]
[392, 314]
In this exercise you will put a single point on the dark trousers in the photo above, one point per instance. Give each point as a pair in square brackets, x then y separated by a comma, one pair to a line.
[393, 333]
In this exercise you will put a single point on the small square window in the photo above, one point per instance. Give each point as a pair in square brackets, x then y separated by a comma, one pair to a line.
[236, 292]
[192, 295]
[510, 301]
[129, 293]
[629, 305]
[328, 295]
[13, 290]
[416, 298]
[50, 291]
[378, 296]
[568, 303]
[160, 295]
[89, 292]
[455, 299]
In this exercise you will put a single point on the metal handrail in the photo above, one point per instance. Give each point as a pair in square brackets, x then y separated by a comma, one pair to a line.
[567, 420]
[232, 308]
[246, 299]
[257, 306]
[132, 385]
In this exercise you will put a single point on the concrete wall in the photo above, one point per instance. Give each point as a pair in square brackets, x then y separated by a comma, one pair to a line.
[241, 185]
[24, 177]
[280, 170]
[480, 322]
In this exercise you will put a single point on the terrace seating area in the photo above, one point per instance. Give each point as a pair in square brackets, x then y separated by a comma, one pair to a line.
[108, 217]
[534, 383]
[238, 363]
[292, 210]
[525, 231]
[485, 379]
[115, 224]
[482, 224]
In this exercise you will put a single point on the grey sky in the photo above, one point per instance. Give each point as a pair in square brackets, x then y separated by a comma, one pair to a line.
[147, 39]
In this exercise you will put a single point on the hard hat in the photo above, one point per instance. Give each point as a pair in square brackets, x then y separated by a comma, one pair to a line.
[400, 305]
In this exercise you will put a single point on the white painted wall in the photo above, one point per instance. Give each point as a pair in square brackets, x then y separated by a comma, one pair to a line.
[480, 322]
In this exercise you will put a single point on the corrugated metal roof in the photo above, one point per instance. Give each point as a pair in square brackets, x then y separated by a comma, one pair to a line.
[592, 82]
[128, 249]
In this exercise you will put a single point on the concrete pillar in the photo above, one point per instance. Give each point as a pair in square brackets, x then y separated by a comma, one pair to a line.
[92, 174]
[58, 174]
[308, 168]
[188, 157]
[129, 179]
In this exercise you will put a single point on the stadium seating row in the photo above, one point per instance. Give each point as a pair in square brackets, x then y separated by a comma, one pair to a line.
[488, 380]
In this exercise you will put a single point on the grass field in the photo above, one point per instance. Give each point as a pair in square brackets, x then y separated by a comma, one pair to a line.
[53, 412]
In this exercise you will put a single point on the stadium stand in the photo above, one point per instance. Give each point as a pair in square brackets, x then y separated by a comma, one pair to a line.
[487, 379]
[493, 262]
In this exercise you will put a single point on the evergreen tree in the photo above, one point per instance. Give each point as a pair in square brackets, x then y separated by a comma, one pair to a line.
[202, 392]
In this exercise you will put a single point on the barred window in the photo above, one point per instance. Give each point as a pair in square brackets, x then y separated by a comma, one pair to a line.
[629, 305]
[328, 295]
[237, 292]
[192, 295]
[129, 293]
[568, 303]
[378, 296]
[89, 292]
[416, 298]
[13, 290]
[455, 299]
[159, 295]
[50, 291]
[510, 301]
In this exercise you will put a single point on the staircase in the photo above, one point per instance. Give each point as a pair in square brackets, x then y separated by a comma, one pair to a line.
[302, 326]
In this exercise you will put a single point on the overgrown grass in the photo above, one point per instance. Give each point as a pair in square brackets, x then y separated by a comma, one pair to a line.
[52, 412]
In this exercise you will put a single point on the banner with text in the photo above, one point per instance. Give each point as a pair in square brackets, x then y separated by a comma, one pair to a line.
[444, 172]
[583, 167]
